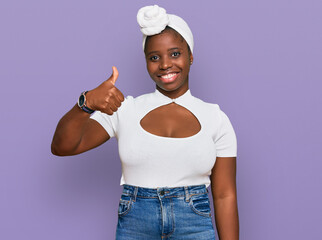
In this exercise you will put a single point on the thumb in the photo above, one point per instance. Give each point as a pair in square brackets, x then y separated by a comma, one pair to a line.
[114, 75]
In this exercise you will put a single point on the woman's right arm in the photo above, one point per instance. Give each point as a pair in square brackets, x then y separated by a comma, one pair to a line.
[76, 132]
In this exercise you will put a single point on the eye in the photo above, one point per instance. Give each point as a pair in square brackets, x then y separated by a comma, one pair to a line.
[175, 54]
[154, 58]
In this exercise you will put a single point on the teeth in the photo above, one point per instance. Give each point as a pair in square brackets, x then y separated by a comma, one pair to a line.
[169, 75]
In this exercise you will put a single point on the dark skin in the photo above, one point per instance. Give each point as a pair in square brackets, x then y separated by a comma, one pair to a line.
[161, 58]
[166, 53]
[224, 195]
[76, 132]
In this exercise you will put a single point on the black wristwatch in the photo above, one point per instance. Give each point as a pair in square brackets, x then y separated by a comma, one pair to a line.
[82, 103]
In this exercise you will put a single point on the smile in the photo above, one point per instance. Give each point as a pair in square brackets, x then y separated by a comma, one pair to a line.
[169, 77]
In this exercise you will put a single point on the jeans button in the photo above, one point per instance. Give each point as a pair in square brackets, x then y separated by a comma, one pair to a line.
[162, 192]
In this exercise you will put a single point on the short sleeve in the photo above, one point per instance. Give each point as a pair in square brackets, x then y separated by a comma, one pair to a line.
[108, 122]
[226, 140]
[112, 123]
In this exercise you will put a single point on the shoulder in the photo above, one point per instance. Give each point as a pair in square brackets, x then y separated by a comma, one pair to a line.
[210, 108]
[143, 97]
[131, 100]
[138, 100]
[212, 111]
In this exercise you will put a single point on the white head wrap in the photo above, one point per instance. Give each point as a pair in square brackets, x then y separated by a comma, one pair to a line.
[154, 19]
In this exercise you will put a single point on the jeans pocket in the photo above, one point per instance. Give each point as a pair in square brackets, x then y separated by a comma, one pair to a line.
[125, 204]
[200, 204]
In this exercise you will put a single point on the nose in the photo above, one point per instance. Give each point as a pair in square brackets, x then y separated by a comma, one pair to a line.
[165, 63]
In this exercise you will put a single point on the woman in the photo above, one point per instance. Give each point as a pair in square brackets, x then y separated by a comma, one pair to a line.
[170, 142]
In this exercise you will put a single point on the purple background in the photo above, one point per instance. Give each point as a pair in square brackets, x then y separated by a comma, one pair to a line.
[259, 60]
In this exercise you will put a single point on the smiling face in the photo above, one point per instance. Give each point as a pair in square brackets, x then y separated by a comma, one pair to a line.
[168, 61]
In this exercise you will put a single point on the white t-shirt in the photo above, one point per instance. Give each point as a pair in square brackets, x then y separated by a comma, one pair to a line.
[153, 161]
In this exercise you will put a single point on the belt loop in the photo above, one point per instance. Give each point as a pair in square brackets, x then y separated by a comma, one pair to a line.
[187, 193]
[136, 188]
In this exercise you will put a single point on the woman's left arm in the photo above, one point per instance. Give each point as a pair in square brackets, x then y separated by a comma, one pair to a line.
[224, 194]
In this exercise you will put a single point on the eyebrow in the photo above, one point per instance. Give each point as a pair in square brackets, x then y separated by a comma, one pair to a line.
[175, 48]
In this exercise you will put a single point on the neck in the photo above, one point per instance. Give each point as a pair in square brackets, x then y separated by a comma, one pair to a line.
[173, 94]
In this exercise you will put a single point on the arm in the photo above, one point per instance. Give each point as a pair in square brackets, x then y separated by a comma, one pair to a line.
[224, 194]
[76, 132]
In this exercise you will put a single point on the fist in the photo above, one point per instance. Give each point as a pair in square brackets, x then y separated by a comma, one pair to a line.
[106, 97]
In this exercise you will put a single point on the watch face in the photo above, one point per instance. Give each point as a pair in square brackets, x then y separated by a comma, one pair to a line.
[81, 100]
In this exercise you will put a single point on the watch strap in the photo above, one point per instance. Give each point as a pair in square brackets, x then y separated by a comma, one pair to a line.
[83, 106]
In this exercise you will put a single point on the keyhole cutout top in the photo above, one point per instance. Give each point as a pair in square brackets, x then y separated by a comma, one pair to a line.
[171, 120]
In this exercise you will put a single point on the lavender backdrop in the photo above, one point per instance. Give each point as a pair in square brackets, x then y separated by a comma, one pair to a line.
[259, 60]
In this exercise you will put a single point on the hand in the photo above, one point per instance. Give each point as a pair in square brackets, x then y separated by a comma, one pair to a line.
[106, 97]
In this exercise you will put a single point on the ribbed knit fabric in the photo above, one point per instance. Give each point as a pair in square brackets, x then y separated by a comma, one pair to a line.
[154, 161]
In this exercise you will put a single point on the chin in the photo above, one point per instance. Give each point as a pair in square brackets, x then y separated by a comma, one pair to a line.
[173, 86]
[169, 88]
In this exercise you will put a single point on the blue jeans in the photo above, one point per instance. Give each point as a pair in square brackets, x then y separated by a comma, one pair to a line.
[164, 213]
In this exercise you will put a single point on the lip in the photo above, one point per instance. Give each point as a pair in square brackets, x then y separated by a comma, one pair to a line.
[168, 79]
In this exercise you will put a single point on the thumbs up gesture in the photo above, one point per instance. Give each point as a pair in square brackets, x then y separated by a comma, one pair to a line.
[106, 97]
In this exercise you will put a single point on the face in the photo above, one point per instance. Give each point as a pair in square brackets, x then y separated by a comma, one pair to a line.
[168, 62]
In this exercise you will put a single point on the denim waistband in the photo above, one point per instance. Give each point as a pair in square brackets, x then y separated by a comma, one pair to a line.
[186, 191]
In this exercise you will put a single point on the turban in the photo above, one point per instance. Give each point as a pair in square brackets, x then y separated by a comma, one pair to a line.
[154, 19]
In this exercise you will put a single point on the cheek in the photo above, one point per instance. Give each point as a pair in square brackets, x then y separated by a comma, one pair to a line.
[151, 67]
[185, 65]
[148, 66]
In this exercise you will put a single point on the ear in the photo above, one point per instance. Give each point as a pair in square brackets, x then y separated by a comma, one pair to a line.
[191, 58]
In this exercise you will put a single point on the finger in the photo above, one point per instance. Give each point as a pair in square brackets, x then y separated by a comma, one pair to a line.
[118, 94]
[113, 107]
[107, 110]
[117, 103]
[115, 75]
[109, 101]
[114, 103]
